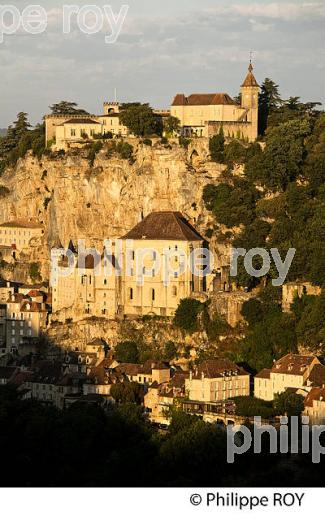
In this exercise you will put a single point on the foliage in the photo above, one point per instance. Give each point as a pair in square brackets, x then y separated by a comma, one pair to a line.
[139, 119]
[147, 142]
[170, 350]
[172, 126]
[4, 191]
[95, 147]
[288, 403]
[184, 142]
[125, 150]
[19, 139]
[67, 107]
[34, 271]
[127, 392]
[217, 147]
[127, 352]
[249, 406]
[187, 313]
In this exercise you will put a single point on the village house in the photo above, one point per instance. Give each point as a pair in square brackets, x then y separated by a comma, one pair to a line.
[217, 380]
[291, 371]
[19, 234]
[291, 290]
[26, 317]
[206, 114]
[160, 398]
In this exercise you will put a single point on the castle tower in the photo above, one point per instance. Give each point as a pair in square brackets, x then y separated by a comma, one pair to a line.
[249, 100]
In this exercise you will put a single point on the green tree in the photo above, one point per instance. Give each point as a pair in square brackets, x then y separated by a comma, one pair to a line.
[139, 119]
[67, 107]
[172, 125]
[288, 403]
[127, 352]
[269, 99]
[187, 313]
[127, 392]
[217, 147]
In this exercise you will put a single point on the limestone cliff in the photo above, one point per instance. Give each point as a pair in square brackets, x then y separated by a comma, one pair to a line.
[76, 200]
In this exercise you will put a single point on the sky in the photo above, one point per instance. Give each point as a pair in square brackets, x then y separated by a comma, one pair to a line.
[164, 47]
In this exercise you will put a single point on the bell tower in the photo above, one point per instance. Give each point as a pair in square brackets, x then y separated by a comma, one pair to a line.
[249, 100]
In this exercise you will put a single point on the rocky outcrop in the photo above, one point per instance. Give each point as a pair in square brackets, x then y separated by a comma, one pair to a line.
[76, 200]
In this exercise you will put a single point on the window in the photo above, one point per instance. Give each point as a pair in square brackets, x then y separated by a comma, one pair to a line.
[105, 282]
[131, 294]
[174, 291]
[73, 132]
[153, 294]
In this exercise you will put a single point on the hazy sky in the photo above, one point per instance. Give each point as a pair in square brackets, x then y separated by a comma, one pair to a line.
[165, 47]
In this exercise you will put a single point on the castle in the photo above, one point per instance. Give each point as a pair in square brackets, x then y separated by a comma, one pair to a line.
[200, 115]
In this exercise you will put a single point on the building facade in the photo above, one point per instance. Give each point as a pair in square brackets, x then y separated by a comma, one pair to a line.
[206, 114]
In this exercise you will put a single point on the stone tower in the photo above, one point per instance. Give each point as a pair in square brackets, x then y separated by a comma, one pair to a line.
[249, 100]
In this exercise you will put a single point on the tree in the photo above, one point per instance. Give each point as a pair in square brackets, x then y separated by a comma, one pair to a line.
[67, 107]
[186, 315]
[217, 147]
[269, 99]
[139, 119]
[127, 392]
[288, 403]
[172, 125]
[127, 352]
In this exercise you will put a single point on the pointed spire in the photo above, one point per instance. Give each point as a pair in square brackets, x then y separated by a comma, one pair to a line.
[250, 80]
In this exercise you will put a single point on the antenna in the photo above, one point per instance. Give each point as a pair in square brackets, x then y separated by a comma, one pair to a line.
[250, 57]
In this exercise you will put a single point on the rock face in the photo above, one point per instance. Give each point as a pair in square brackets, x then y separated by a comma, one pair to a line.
[75, 200]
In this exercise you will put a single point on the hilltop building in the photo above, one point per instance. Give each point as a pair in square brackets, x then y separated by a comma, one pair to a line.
[206, 114]
[18, 234]
[123, 291]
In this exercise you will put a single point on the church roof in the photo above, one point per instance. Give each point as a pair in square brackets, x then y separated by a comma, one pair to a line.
[203, 99]
[250, 80]
[164, 225]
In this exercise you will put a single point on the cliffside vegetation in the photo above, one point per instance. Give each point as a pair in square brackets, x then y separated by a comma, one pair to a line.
[277, 202]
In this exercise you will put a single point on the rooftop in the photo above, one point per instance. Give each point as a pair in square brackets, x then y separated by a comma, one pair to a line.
[23, 223]
[203, 99]
[164, 225]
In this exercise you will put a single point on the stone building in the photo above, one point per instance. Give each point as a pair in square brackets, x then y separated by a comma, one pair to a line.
[19, 233]
[205, 114]
[217, 380]
[25, 320]
[291, 371]
[170, 240]
[149, 272]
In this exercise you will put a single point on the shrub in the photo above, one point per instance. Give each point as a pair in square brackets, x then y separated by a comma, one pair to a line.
[127, 352]
[184, 142]
[34, 271]
[4, 191]
[249, 406]
[217, 147]
[46, 202]
[125, 150]
[186, 315]
[147, 142]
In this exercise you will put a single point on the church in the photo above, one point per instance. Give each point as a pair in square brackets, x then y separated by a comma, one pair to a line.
[203, 115]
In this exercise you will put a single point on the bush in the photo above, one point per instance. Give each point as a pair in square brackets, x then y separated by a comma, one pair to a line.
[93, 151]
[184, 142]
[248, 406]
[34, 271]
[217, 147]
[127, 352]
[186, 315]
[147, 142]
[125, 150]
[4, 191]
